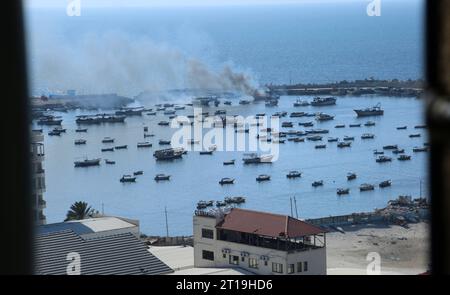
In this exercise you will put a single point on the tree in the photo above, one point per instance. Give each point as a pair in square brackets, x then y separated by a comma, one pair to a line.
[79, 210]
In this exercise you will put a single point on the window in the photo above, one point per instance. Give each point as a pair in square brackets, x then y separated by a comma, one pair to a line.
[253, 263]
[291, 268]
[243, 259]
[208, 255]
[265, 262]
[299, 267]
[224, 255]
[277, 267]
[305, 266]
[234, 259]
[207, 233]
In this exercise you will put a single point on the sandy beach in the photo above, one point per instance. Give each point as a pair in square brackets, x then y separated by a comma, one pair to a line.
[402, 250]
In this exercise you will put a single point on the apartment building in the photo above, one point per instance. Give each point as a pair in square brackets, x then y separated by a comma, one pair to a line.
[38, 177]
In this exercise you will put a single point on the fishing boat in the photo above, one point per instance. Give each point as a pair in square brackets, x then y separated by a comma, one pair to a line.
[402, 128]
[110, 162]
[178, 108]
[344, 144]
[294, 174]
[164, 142]
[121, 147]
[163, 123]
[306, 124]
[263, 177]
[81, 130]
[420, 149]
[324, 117]
[314, 138]
[414, 135]
[144, 144]
[130, 111]
[354, 125]
[54, 133]
[366, 187]
[333, 139]
[108, 149]
[301, 103]
[220, 112]
[377, 152]
[340, 126]
[351, 176]
[390, 147]
[320, 146]
[227, 102]
[298, 139]
[244, 102]
[87, 162]
[253, 158]
[367, 136]
[107, 140]
[150, 113]
[169, 112]
[317, 183]
[148, 135]
[127, 178]
[206, 152]
[49, 121]
[404, 158]
[372, 111]
[317, 131]
[226, 180]
[323, 101]
[348, 138]
[343, 191]
[287, 124]
[140, 172]
[161, 176]
[80, 141]
[369, 123]
[220, 203]
[420, 126]
[271, 103]
[385, 183]
[383, 159]
[230, 162]
[296, 114]
[398, 151]
[168, 154]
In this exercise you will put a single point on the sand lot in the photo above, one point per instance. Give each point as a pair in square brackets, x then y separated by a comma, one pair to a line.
[402, 250]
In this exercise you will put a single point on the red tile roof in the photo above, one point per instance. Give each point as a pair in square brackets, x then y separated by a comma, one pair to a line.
[267, 224]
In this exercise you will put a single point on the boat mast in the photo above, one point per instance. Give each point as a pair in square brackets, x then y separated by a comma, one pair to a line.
[167, 225]
[295, 205]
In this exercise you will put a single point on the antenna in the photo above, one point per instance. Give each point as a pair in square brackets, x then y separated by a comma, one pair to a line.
[292, 214]
[167, 225]
[103, 209]
[295, 205]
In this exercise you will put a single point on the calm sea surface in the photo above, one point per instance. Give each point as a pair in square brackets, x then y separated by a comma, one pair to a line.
[278, 44]
[195, 177]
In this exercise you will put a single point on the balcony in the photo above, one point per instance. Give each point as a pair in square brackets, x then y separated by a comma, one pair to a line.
[281, 244]
[42, 204]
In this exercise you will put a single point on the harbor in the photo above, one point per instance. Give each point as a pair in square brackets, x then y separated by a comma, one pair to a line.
[191, 177]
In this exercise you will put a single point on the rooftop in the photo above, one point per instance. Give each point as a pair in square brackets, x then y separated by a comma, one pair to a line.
[87, 226]
[267, 224]
[115, 254]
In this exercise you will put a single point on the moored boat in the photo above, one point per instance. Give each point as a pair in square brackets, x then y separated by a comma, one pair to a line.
[87, 162]
[263, 177]
[385, 183]
[226, 180]
[323, 101]
[294, 174]
[372, 111]
[161, 176]
[127, 178]
[343, 191]
[366, 187]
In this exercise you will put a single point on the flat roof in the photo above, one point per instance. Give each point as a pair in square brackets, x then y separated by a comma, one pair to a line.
[267, 224]
[176, 257]
[87, 226]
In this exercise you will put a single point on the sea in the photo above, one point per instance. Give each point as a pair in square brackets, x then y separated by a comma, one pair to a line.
[273, 44]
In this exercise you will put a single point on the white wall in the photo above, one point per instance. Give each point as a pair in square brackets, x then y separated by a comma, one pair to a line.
[316, 258]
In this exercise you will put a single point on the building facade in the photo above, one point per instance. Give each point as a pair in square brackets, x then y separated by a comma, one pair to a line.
[38, 177]
[259, 242]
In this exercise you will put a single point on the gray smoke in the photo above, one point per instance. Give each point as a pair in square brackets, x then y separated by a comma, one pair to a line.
[116, 63]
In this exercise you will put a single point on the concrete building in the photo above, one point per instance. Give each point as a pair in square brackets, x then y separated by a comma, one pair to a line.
[38, 177]
[259, 242]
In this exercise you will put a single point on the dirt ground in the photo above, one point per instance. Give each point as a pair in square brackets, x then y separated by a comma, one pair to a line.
[402, 250]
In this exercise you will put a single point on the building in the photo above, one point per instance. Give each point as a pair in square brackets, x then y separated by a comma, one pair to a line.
[96, 246]
[38, 177]
[259, 242]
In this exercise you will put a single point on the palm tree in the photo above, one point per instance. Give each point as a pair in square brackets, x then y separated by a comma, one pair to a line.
[79, 210]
